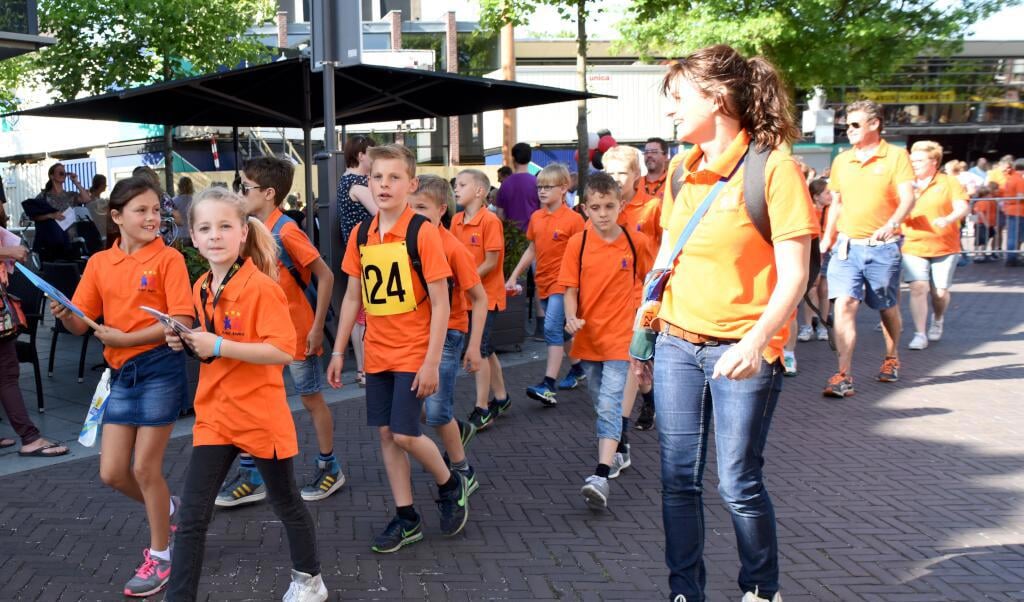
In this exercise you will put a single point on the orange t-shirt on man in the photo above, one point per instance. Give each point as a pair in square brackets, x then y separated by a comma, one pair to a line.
[869, 189]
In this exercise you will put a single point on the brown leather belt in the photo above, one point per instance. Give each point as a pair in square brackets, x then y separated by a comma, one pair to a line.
[693, 337]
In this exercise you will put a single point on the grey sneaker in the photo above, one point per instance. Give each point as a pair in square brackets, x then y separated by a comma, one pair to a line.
[241, 490]
[327, 480]
[305, 588]
[935, 330]
[620, 462]
[595, 491]
[151, 577]
[174, 516]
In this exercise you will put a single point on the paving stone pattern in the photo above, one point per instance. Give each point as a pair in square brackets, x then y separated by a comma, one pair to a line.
[905, 492]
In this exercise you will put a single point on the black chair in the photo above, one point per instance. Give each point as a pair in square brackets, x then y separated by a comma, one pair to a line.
[64, 276]
[32, 303]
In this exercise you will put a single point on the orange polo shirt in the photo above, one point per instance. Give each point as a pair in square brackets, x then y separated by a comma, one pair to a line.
[722, 280]
[481, 234]
[921, 238]
[398, 343]
[652, 190]
[303, 254]
[549, 231]
[868, 190]
[1012, 188]
[609, 292]
[464, 276]
[643, 214]
[115, 284]
[238, 403]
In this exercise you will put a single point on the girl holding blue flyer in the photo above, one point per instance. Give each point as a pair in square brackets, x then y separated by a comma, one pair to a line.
[148, 384]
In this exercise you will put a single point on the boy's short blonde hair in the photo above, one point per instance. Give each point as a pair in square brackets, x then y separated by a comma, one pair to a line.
[436, 189]
[554, 174]
[626, 154]
[480, 177]
[393, 151]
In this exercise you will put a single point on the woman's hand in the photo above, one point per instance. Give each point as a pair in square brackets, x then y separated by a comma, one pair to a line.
[940, 222]
[17, 253]
[739, 362]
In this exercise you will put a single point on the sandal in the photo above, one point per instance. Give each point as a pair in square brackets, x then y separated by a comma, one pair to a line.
[360, 378]
[41, 452]
[6, 442]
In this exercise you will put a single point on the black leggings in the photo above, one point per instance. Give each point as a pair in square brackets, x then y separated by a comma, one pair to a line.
[206, 471]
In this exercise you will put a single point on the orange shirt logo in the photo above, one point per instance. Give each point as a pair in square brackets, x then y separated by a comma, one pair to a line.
[147, 282]
[474, 239]
[558, 235]
[624, 264]
[233, 323]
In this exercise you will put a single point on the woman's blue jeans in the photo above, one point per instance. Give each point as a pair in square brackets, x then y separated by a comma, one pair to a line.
[686, 403]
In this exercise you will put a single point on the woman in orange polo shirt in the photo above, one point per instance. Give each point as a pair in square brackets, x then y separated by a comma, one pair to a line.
[147, 383]
[931, 244]
[245, 337]
[725, 309]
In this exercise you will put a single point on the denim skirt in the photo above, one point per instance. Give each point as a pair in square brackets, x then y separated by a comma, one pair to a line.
[148, 390]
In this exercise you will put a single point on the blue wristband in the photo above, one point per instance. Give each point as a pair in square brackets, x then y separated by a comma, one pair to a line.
[216, 346]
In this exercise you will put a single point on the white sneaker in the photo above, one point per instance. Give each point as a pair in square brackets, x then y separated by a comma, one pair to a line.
[918, 342]
[805, 333]
[595, 491]
[789, 363]
[620, 462]
[753, 597]
[305, 588]
[822, 333]
[935, 332]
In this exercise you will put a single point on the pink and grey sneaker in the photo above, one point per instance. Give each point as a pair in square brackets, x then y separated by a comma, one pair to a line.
[151, 577]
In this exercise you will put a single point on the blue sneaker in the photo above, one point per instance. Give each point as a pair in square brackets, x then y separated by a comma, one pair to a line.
[246, 488]
[454, 506]
[572, 380]
[543, 393]
[397, 534]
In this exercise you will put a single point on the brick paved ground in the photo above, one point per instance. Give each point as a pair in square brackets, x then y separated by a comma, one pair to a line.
[904, 492]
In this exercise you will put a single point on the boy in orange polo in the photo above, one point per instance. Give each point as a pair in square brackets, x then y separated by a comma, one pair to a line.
[407, 317]
[602, 270]
[265, 183]
[548, 231]
[481, 231]
[640, 213]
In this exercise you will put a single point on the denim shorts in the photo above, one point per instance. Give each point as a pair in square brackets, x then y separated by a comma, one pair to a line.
[554, 320]
[606, 382]
[938, 270]
[440, 405]
[485, 337]
[148, 390]
[390, 402]
[869, 274]
[307, 375]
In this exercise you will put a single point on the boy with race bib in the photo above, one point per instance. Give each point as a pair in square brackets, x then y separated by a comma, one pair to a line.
[264, 185]
[397, 266]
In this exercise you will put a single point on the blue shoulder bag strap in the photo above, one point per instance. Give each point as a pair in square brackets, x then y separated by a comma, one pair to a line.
[700, 212]
[282, 254]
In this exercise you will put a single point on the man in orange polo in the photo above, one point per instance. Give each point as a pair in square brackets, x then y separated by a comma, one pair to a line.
[1011, 203]
[656, 161]
[872, 187]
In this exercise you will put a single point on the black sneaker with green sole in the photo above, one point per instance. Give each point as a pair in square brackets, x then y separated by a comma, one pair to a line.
[398, 534]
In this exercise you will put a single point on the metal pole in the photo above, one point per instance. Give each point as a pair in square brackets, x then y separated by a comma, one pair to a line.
[307, 156]
[234, 146]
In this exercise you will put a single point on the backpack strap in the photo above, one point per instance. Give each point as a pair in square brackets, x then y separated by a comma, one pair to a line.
[632, 249]
[282, 253]
[753, 189]
[412, 234]
[676, 179]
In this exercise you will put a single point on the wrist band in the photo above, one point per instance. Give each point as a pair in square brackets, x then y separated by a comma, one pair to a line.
[216, 346]
[337, 353]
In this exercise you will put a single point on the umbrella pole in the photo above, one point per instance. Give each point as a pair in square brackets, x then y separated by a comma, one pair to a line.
[234, 145]
[311, 201]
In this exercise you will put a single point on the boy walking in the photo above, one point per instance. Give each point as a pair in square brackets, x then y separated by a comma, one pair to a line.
[397, 266]
[432, 198]
[483, 234]
[548, 231]
[265, 183]
[603, 272]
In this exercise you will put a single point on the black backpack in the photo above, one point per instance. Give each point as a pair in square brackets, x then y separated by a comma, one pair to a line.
[756, 160]
[579, 277]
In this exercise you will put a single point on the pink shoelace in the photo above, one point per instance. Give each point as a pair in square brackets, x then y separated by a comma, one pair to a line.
[148, 566]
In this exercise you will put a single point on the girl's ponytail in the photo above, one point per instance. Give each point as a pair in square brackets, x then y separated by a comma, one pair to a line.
[261, 247]
[769, 116]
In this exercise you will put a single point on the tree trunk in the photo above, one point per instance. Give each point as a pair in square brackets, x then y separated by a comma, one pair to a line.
[583, 161]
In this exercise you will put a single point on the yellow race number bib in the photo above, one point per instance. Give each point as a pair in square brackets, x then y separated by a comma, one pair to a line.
[387, 281]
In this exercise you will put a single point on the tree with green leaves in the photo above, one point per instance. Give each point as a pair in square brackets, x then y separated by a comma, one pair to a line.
[495, 14]
[826, 43]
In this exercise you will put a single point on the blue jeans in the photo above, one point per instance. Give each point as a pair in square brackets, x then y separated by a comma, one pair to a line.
[686, 401]
[606, 382]
[554, 320]
[1014, 234]
[869, 274]
[439, 406]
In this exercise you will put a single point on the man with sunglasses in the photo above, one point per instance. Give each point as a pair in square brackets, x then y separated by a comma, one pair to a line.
[872, 186]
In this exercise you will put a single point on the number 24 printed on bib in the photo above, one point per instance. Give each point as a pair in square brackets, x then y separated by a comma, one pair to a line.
[387, 279]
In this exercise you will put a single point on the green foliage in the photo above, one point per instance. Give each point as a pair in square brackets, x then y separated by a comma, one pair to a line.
[194, 262]
[494, 14]
[123, 43]
[14, 73]
[814, 42]
[515, 245]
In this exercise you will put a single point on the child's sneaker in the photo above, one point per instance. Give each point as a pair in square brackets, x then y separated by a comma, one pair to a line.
[805, 333]
[595, 491]
[788, 363]
[840, 385]
[890, 370]
[173, 521]
[151, 577]
[481, 419]
[500, 408]
[470, 476]
[543, 393]
[246, 488]
[645, 421]
[620, 462]
[572, 379]
[327, 480]
[397, 534]
[919, 342]
[305, 588]
[454, 506]
[822, 333]
[935, 330]
[754, 596]
[466, 432]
